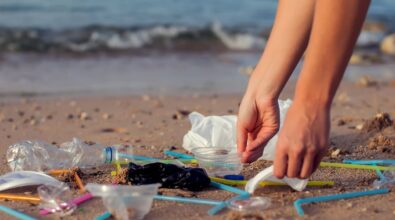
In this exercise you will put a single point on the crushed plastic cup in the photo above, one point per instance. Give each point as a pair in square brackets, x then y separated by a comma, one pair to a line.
[387, 180]
[218, 161]
[55, 198]
[256, 203]
[124, 201]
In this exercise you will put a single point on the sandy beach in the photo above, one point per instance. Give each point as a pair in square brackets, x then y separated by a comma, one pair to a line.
[152, 124]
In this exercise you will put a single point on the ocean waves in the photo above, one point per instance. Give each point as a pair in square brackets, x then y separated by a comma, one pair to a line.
[108, 38]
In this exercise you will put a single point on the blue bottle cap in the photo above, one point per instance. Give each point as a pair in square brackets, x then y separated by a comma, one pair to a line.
[108, 154]
[234, 177]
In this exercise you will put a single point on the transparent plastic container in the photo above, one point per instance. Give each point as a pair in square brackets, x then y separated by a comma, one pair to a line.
[125, 202]
[256, 203]
[41, 156]
[218, 161]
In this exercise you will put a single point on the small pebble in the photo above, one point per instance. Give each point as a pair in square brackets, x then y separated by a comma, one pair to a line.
[84, 116]
[106, 116]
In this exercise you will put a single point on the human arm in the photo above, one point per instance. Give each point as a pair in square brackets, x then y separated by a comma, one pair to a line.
[258, 115]
[303, 140]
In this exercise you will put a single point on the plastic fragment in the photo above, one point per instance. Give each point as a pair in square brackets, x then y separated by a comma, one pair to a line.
[234, 177]
[55, 198]
[250, 204]
[25, 178]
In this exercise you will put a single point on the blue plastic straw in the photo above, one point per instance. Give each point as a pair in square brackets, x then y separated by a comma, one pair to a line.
[137, 157]
[228, 188]
[380, 174]
[370, 162]
[188, 200]
[298, 203]
[179, 155]
[144, 158]
[16, 214]
[103, 216]
[242, 195]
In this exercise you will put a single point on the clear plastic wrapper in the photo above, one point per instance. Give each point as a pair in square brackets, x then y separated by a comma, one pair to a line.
[387, 179]
[125, 202]
[56, 199]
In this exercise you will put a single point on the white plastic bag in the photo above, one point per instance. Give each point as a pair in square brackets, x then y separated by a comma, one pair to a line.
[220, 131]
[211, 131]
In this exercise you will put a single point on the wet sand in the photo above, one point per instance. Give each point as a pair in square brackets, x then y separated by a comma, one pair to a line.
[152, 124]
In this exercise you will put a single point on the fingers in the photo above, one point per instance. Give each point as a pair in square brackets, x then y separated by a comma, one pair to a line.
[280, 163]
[294, 162]
[241, 139]
[252, 155]
[308, 164]
[317, 161]
[254, 148]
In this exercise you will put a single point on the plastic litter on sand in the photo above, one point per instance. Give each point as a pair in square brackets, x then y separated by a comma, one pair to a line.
[298, 203]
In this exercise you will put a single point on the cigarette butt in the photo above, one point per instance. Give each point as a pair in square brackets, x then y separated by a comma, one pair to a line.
[79, 182]
[16, 197]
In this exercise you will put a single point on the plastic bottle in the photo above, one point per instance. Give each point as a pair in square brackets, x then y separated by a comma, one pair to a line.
[41, 156]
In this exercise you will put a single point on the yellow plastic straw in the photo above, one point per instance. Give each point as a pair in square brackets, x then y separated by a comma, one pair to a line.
[355, 166]
[268, 183]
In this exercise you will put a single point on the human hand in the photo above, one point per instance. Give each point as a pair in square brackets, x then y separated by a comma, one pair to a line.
[303, 140]
[257, 123]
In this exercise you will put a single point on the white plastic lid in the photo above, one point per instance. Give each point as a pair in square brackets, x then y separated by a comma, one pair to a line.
[251, 204]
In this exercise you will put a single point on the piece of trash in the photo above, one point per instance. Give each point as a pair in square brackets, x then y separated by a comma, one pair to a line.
[125, 202]
[269, 183]
[25, 178]
[218, 161]
[356, 166]
[250, 204]
[55, 198]
[299, 202]
[14, 213]
[41, 156]
[17, 197]
[113, 130]
[267, 175]
[76, 201]
[370, 162]
[241, 195]
[168, 175]
[234, 177]
[387, 179]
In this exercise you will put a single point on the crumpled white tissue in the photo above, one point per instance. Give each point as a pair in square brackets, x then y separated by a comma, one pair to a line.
[220, 131]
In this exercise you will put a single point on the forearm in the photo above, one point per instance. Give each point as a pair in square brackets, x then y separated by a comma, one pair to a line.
[285, 46]
[336, 26]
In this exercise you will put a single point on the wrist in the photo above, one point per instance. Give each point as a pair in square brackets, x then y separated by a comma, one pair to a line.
[263, 86]
[313, 101]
